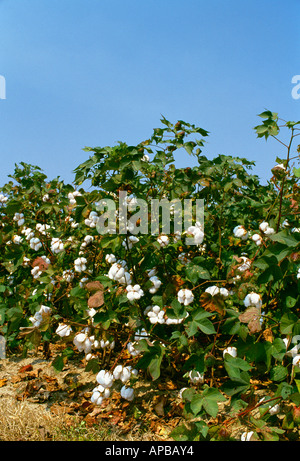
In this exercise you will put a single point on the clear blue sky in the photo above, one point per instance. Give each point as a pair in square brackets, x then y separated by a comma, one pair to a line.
[93, 72]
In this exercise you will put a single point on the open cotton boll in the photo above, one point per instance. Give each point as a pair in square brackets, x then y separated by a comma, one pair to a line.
[253, 299]
[57, 246]
[163, 240]
[296, 361]
[298, 273]
[230, 351]
[19, 218]
[134, 292]
[17, 239]
[155, 314]
[80, 264]
[240, 232]
[3, 198]
[196, 377]
[132, 348]
[246, 436]
[105, 378]
[257, 239]
[36, 272]
[185, 296]
[35, 244]
[125, 374]
[110, 258]
[156, 284]
[266, 229]
[128, 244]
[127, 393]
[213, 290]
[63, 330]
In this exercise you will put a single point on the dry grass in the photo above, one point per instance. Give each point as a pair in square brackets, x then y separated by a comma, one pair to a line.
[21, 421]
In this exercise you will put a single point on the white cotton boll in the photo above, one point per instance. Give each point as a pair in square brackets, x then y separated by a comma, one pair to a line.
[246, 436]
[253, 299]
[63, 330]
[128, 244]
[127, 393]
[185, 296]
[36, 272]
[298, 273]
[125, 374]
[68, 275]
[105, 378]
[57, 245]
[196, 377]
[83, 281]
[117, 371]
[145, 158]
[293, 351]
[155, 314]
[42, 228]
[17, 239]
[110, 258]
[132, 348]
[296, 361]
[184, 259]
[257, 239]
[151, 272]
[156, 284]
[80, 264]
[197, 232]
[26, 261]
[224, 292]
[231, 351]
[19, 218]
[295, 229]
[246, 264]
[116, 272]
[213, 290]
[275, 409]
[97, 397]
[134, 292]
[163, 240]
[240, 232]
[181, 392]
[35, 244]
[3, 198]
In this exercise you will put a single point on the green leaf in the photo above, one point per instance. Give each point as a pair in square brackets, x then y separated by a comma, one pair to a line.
[195, 272]
[287, 323]
[278, 373]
